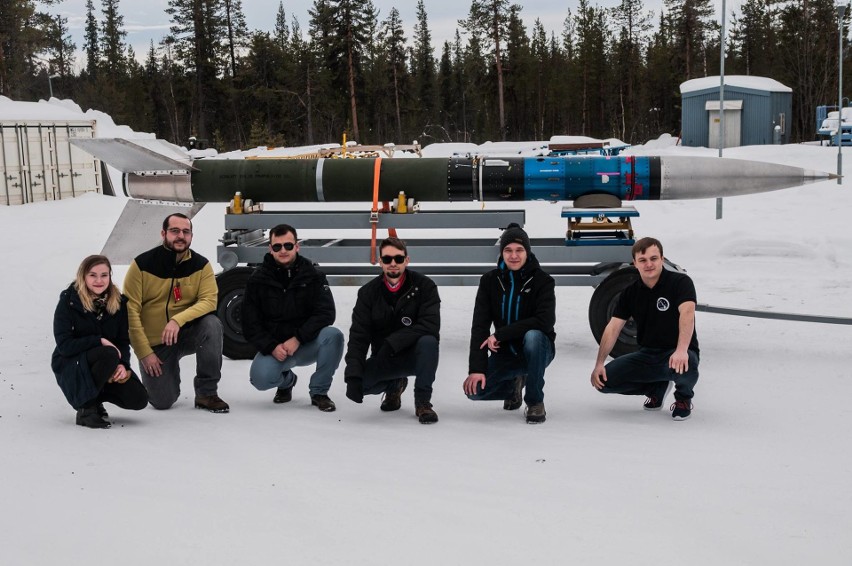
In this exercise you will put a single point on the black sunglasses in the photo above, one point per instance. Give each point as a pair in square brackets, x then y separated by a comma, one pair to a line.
[386, 259]
[286, 245]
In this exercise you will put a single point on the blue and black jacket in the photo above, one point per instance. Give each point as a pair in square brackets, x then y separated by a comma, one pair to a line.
[513, 302]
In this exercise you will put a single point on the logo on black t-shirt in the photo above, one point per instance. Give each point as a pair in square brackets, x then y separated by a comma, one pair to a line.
[662, 304]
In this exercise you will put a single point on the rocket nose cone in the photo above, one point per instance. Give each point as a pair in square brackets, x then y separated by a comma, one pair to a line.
[710, 177]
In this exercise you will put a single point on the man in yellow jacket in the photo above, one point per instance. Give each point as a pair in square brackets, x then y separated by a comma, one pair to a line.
[171, 312]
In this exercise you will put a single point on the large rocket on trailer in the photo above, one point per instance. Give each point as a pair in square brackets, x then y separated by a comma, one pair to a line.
[149, 175]
[560, 178]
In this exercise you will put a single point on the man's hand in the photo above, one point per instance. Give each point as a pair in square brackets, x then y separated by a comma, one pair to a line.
[599, 376]
[474, 380]
[491, 343]
[152, 365]
[291, 345]
[170, 333]
[679, 361]
[280, 352]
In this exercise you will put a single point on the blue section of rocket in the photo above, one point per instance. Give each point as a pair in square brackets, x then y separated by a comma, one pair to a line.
[566, 178]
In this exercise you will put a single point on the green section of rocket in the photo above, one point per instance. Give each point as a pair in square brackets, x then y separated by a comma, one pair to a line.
[298, 180]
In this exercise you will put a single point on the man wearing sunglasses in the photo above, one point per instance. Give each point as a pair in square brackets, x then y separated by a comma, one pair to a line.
[171, 305]
[518, 300]
[288, 310]
[398, 317]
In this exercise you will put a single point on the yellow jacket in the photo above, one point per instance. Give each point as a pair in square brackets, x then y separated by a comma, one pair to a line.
[152, 286]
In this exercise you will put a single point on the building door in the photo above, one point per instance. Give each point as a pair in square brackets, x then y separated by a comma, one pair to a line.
[733, 123]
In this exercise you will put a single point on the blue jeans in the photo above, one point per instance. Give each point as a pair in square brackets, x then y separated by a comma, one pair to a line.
[421, 361]
[504, 367]
[326, 351]
[647, 372]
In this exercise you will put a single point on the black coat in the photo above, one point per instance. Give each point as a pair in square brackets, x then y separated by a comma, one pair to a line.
[280, 303]
[77, 331]
[379, 325]
[514, 302]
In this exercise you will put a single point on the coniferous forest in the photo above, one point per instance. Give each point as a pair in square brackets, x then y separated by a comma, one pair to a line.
[341, 68]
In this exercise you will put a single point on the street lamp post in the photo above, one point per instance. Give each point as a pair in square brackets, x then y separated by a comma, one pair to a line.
[721, 99]
[841, 9]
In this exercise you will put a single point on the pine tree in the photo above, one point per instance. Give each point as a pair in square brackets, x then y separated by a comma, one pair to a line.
[112, 40]
[281, 31]
[633, 23]
[808, 32]
[351, 21]
[235, 23]
[24, 32]
[490, 19]
[423, 71]
[394, 43]
[592, 63]
[518, 76]
[198, 34]
[61, 49]
[693, 26]
[91, 41]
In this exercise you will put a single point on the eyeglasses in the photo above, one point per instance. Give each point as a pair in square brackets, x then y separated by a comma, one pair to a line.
[286, 245]
[178, 231]
[387, 259]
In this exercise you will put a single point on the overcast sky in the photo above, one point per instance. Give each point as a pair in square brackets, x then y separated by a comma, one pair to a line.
[146, 20]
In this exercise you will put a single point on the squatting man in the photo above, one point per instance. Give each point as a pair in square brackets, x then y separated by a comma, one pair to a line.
[662, 303]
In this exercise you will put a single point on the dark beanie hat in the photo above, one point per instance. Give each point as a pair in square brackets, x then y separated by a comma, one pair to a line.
[514, 234]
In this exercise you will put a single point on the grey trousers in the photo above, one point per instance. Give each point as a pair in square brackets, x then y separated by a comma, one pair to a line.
[202, 337]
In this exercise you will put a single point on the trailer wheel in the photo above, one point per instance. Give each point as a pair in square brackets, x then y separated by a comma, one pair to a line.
[603, 303]
[232, 286]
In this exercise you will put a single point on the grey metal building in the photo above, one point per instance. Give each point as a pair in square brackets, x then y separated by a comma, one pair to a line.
[754, 106]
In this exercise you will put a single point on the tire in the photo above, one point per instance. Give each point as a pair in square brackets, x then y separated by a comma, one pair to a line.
[232, 286]
[603, 303]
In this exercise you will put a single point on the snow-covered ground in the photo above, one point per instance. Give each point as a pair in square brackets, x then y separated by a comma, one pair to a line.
[758, 476]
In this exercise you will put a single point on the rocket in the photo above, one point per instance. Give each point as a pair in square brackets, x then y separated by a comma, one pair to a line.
[557, 178]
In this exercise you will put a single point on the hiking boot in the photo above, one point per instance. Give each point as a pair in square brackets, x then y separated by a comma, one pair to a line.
[681, 409]
[89, 418]
[102, 411]
[212, 403]
[285, 394]
[655, 402]
[425, 413]
[323, 403]
[535, 414]
[392, 399]
[514, 402]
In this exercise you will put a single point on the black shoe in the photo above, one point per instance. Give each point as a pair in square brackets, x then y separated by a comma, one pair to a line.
[323, 403]
[212, 403]
[655, 402]
[392, 400]
[425, 413]
[536, 414]
[89, 418]
[681, 409]
[102, 411]
[285, 394]
[514, 402]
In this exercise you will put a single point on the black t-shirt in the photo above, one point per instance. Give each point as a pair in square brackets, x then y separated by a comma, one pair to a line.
[656, 310]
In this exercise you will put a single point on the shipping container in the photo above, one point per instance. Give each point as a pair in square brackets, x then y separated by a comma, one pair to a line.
[39, 163]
